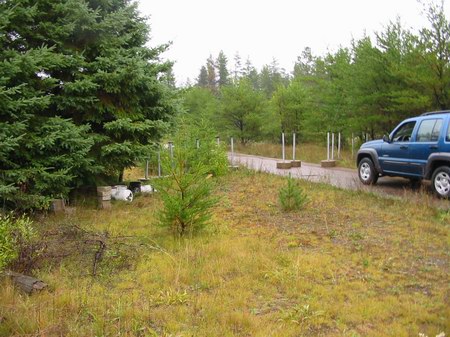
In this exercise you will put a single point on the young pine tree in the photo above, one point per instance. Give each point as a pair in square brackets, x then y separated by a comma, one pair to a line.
[292, 197]
[187, 190]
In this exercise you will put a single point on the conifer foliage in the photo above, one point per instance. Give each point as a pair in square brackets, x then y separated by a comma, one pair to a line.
[187, 190]
[292, 197]
[80, 95]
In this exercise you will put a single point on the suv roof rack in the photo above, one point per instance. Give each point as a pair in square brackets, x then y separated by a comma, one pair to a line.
[436, 113]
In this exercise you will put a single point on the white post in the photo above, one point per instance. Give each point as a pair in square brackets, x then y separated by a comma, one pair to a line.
[218, 140]
[353, 144]
[328, 146]
[197, 143]
[159, 164]
[146, 169]
[282, 145]
[232, 151]
[332, 146]
[293, 146]
[339, 145]
[171, 149]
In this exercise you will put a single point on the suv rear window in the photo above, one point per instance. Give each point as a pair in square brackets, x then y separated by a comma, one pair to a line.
[429, 130]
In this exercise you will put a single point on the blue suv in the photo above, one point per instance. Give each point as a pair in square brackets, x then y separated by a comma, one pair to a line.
[418, 148]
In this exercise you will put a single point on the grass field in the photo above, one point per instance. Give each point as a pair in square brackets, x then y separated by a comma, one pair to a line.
[348, 264]
[308, 152]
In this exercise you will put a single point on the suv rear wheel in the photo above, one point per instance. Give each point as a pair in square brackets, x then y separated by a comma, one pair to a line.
[366, 172]
[440, 181]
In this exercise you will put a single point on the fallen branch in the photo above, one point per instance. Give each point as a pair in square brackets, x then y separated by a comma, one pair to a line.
[98, 254]
[28, 284]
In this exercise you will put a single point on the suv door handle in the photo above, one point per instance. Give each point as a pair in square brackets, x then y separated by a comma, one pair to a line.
[433, 147]
[403, 147]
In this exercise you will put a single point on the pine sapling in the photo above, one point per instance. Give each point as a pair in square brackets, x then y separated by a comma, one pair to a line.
[292, 197]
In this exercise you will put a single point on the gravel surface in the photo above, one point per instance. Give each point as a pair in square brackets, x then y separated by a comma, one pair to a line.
[344, 178]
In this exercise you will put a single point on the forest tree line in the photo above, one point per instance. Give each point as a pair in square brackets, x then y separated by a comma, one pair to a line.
[366, 88]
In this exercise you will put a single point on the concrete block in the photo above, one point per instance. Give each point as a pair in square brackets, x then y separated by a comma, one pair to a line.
[296, 163]
[103, 204]
[104, 193]
[57, 205]
[328, 163]
[284, 165]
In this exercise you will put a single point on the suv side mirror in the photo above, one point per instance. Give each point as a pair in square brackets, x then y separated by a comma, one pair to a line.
[386, 139]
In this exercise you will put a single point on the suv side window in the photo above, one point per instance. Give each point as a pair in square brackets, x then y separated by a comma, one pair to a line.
[429, 130]
[403, 134]
[447, 139]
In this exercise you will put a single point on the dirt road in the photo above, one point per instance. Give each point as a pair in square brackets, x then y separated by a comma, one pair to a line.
[344, 178]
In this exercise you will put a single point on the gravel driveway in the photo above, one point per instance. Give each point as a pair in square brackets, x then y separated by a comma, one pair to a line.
[344, 178]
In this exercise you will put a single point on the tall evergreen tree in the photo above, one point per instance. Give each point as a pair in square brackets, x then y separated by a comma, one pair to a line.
[271, 77]
[242, 111]
[222, 69]
[305, 64]
[251, 74]
[403, 90]
[435, 45]
[200, 103]
[212, 76]
[290, 104]
[369, 75]
[237, 73]
[202, 80]
[81, 95]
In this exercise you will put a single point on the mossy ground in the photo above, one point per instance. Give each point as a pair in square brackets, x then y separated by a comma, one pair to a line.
[347, 264]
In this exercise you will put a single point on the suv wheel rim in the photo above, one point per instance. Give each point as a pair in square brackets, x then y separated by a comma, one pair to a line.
[364, 171]
[442, 183]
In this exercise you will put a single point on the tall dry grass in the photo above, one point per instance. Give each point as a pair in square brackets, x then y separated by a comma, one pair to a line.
[348, 264]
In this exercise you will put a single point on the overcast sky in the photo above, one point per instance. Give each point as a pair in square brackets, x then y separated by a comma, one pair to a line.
[266, 29]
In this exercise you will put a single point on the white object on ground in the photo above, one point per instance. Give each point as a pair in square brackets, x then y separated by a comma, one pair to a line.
[147, 189]
[121, 192]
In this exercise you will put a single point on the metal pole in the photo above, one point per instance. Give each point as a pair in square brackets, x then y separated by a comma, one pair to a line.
[339, 145]
[282, 146]
[328, 146]
[146, 169]
[353, 145]
[232, 151]
[293, 146]
[159, 164]
[171, 150]
[332, 146]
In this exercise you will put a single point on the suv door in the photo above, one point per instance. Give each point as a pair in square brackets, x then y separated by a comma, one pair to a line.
[394, 156]
[425, 142]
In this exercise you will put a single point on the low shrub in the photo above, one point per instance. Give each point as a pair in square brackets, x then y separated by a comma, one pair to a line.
[15, 234]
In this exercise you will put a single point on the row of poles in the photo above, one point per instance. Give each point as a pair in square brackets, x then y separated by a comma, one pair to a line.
[170, 147]
[332, 145]
[329, 148]
[331, 137]
[283, 146]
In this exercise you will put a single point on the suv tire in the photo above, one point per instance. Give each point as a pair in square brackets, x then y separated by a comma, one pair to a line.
[440, 182]
[366, 172]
